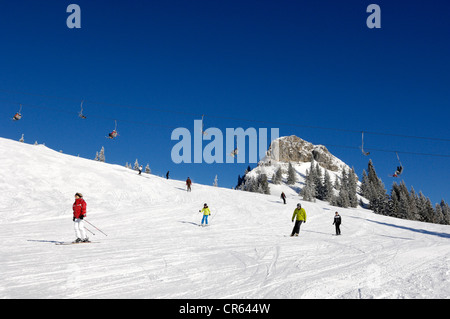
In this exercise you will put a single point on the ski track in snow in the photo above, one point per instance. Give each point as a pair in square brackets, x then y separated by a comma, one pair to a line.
[155, 248]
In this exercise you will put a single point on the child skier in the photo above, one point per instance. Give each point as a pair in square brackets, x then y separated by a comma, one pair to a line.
[300, 216]
[206, 212]
[79, 212]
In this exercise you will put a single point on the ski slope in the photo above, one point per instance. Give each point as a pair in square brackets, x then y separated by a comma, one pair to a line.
[155, 248]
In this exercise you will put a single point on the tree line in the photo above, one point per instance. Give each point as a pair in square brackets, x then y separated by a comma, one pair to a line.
[344, 190]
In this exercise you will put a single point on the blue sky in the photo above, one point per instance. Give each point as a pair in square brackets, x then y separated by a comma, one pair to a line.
[307, 63]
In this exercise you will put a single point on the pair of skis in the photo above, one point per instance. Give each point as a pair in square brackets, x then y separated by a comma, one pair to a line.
[75, 243]
[82, 242]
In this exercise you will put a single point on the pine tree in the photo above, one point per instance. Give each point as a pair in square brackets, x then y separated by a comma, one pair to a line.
[318, 181]
[101, 156]
[263, 184]
[445, 212]
[414, 204]
[96, 156]
[21, 139]
[429, 212]
[343, 198]
[277, 176]
[327, 187]
[337, 184]
[364, 184]
[136, 165]
[216, 182]
[308, 192]
[352, 188]
[292, 175]
[394, 202]
[439, 216]
[147, 169]
[252, 185]
[375, 192]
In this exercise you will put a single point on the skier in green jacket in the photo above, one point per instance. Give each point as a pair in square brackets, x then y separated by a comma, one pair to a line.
[300, 217]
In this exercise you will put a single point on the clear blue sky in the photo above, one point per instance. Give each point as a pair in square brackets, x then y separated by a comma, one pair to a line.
[309, 63]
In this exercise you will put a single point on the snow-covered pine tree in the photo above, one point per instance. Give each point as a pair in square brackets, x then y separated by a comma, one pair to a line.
[308, 192]
[414, 206]
[318, 181]
[292, 175]
[101, 155]
[439, 216]
[363, 189]
[136, 165]
[343, 199]
[337, 184]
[216, 182]
[327, 187]
[263, 184]
[96, 156]
[277, 176]
[147, 169]
[394, 202]
[251, 184]
[375, 192]
[426, 209]
[352, 188]
[21, 139]
[445, 212]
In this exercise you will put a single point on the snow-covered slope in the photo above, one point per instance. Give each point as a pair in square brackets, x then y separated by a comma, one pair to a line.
[154, 248]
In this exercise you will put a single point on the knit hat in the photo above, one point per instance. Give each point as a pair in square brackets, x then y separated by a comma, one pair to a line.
[79, 195]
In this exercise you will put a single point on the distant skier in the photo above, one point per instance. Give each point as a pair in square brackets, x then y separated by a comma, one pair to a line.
[79, 212]
[140, 170]
[337, 223]
[188, 184]
[283, 197]
[300, 217]
[206, 212]
[167, 175]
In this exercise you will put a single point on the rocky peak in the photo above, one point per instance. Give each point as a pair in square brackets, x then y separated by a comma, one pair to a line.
[294, 149]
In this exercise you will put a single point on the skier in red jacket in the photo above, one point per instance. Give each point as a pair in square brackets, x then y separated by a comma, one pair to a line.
[79, 212]
[188, 184]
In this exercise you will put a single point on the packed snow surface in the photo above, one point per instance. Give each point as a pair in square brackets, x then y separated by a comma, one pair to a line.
[155, 248]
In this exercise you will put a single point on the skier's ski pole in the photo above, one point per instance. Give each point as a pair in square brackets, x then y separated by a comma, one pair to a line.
[89, 230]
[95, 227]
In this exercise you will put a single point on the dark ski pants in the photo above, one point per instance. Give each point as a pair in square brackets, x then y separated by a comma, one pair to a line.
[338, 229]
[296, 229]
